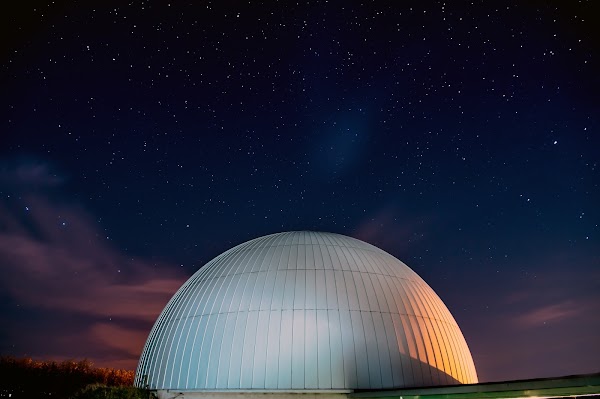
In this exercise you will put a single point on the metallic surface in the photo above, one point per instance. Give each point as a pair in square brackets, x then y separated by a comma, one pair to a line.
[304, 310]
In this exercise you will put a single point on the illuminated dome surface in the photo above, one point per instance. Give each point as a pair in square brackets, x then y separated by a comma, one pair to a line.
[304, 310]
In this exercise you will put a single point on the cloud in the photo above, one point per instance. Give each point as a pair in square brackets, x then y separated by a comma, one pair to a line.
[70, 267]
[29, 174]
[549, 313]
[539, 324]
[58, 269]
[128, 340]
[549, 340]
[554, 295]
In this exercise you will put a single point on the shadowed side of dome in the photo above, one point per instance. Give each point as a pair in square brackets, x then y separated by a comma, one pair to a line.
[304, 310]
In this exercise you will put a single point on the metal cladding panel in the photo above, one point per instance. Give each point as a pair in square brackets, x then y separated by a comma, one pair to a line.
[237, 349]
[311, 348]
[272, 360]
[304, 310]
[298, 342]
[350, 363]
[285, 350]
[396, 372]
[214, 352]
[324, 350]
[260, 351]
[338, 372]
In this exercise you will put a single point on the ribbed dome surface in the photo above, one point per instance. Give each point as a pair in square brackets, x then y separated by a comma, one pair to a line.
[304, 310]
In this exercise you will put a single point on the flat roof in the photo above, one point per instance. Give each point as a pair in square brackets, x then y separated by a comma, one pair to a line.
[569, 386]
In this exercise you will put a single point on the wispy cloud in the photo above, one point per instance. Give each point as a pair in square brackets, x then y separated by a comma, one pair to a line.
[55, 261]
[553, 295]
[29, 173]
[542, 322]
[550, 313]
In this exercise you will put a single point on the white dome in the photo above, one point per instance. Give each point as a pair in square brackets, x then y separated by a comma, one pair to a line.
[304, 310]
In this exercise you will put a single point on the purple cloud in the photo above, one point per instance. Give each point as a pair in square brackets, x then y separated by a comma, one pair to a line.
[78, 293]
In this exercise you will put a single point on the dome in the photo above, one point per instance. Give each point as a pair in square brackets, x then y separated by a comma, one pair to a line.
[304, 311]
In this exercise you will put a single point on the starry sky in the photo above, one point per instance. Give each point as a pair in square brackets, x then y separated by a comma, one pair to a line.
[140, 139]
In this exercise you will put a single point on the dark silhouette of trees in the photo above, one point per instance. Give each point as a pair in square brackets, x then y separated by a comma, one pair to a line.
[24, 378]
[98, 391]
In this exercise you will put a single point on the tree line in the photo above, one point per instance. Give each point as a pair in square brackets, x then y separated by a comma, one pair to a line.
[24, 378]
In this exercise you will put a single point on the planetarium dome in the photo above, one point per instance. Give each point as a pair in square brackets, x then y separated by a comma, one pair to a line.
[304, 311]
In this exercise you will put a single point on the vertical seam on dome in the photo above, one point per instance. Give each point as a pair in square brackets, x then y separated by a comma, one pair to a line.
[231, 258]
[293, 271]
[339, 319]
[384, 267]
[304, 306]
[179, 299]
[262, 294]
[457, 355]
[281, 319]
[278, 360]
[214, 295]
[405, 363]
[379, 310]
[417, 327]
[202, 321]
[449, 326]
[424, 330]
[405, 332]
[420, 296]
[467, 360]
[305, 300]
[270, 249]
[391, 306]
[408, 327]
[247, 264]
[200, 286]
[327, 317]
[411, 341]
[440, 332]
[234, 264]
[313, 239]
[450, 346]
[350, 315]
[276, 374]
[208, 294]
[471, 363]
[367, 275]
[237, 313]
[330, 354]
[437, 331]
[204, 284]
[444, 326]
[459, 376]
[468, 357]
[368, 266]
[263, 250]
[159, 333]
[388, 353]
[362, 321]
[460, 342]
[174, 328]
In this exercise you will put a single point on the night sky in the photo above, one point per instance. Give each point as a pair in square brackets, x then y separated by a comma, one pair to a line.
[138, 140]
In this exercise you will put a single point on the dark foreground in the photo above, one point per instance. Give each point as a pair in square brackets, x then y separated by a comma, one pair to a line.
[25, 378]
